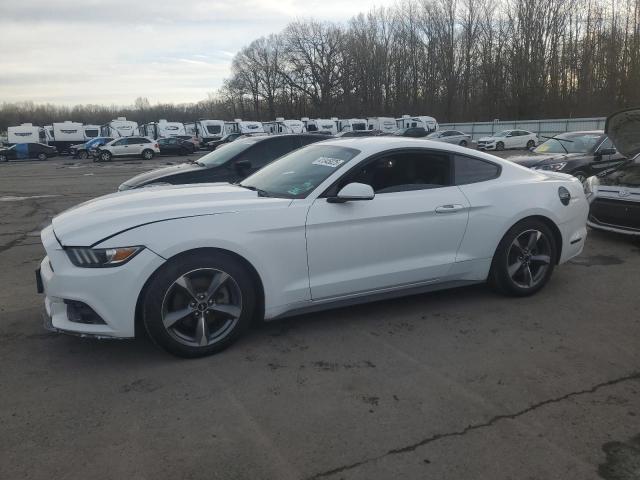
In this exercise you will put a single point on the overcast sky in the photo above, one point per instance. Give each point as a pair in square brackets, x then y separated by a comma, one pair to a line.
[110, 52]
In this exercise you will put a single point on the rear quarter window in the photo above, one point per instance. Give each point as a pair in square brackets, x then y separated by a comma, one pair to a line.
[473, 170]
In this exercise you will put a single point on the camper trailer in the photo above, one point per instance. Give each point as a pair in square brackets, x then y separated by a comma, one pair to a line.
[351, 124]
[384, 124]
[26, 133]
[408, 121]
[119, 127]
[320, 125]
[91, 131]
[243, 127]
[162, 129]
[280, 125]
[205, 130]
[65, 134]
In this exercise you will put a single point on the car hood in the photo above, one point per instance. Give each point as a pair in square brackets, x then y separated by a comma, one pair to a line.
[91, 222]
[538, 159]
[158, 174]
[488, 139]
[623, 128]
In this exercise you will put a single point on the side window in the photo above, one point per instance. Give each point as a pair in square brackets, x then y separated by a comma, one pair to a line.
[404, 171]
[256, 154]
[277, 147]
[606, 144]
[133, 141]
[473, 170]
[119, 143]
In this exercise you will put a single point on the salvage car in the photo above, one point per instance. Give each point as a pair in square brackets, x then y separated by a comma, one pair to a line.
[87, 149]
[175, 146]
[23, 151]
[128, 147]
[230, 163]
[580, 154]
[508, 139]
[339, 222]
[450, 136]
[614, 194]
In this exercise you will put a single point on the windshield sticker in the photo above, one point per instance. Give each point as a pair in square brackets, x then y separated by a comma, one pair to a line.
[328, 162]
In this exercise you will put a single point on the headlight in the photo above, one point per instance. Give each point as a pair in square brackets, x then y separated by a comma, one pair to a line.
[590, 185]
[556, 167]
[101, 257]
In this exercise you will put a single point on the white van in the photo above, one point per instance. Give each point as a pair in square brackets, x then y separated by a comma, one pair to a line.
[384, 124]
[26, 133]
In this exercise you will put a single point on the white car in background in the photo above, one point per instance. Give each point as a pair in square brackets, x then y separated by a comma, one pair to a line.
[128, 147]
[508, 139]
[335, 223]
[450, 136]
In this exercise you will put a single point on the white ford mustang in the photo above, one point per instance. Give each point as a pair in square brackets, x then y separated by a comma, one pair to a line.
[334, 223]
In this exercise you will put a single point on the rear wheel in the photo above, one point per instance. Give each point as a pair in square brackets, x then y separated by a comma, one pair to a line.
[531, 144]
[524, 259]
[147, 154]
[197, 305]
[499, 146]
[42, 156]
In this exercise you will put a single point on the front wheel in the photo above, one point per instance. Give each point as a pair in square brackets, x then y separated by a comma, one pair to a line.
[499, 146]
[147, 154]
[104, 156]
[531, 144]
[524, 260]
[42, 156]
[82, 155]
[197, 305]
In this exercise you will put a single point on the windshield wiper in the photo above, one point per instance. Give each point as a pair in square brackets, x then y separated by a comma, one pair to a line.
[261, 193]
[559, 140]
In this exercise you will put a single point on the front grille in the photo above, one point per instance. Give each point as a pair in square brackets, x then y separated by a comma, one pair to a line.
[616, 213]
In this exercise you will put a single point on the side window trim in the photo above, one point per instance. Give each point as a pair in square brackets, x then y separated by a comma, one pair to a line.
[453, 165]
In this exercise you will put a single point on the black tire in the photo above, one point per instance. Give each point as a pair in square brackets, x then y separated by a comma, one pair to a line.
[160, 289]
[500, 146]
[147, 154]
[507, 256]
[42, 157]
[580, 175]
[531, 144]
[3, 158]
[105, 156]
[82, 155]
[463, 143]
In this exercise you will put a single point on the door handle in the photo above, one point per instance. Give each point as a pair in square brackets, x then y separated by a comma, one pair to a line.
[451, 208]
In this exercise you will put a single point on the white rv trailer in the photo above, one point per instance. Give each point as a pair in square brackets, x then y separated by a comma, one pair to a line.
[162, 129]
[91, 131]
[244, 127]
[384, 124]
[48, 133]
[351, 124]
[26, 133]
[65, 134]
[409, 121]
[280, 125]
[322, 125]
[120, 127]
[206, 130]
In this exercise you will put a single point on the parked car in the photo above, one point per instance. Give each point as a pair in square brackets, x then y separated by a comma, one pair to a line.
[228, 138]
[359, 133]
[23, 151]
[614, 194]
[230, 163]
[411, 132]
[128, 147]
[340, 222]
[175, 146]
[88, 149]
[508, 139]
[191, 139]
[580, 154]
[450, 136]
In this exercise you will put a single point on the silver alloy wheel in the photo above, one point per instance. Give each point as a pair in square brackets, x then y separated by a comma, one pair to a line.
[529, 258]
[105, 156]
[201, 307]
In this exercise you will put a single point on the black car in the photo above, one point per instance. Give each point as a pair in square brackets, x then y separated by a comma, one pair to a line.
[581, 154]
[21, 151]
[228, 138]
[411, 132]
[229, 163]
[175, 146]
[360, 133]
[84, 150]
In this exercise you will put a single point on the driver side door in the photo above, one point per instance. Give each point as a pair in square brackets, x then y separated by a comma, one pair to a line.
[408, 234]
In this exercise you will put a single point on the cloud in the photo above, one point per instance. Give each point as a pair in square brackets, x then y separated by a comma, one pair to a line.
[94, 51]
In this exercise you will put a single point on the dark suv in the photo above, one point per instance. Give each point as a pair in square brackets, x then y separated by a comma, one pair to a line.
[581, 154]
[228, 163]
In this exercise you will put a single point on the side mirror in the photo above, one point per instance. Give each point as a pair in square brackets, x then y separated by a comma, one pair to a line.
[606, 151]
[353, 191]
[243, 165]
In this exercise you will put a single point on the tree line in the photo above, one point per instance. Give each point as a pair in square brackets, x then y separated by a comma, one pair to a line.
[457, 60]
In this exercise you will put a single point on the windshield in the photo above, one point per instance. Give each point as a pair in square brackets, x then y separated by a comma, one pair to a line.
[570, 143]
[295, 175]
[225, 153]
[502, 134]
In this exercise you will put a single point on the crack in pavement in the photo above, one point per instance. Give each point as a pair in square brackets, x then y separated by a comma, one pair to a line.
[508, 416]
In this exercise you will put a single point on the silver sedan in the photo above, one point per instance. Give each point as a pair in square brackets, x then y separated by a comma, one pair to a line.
[451, 136]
